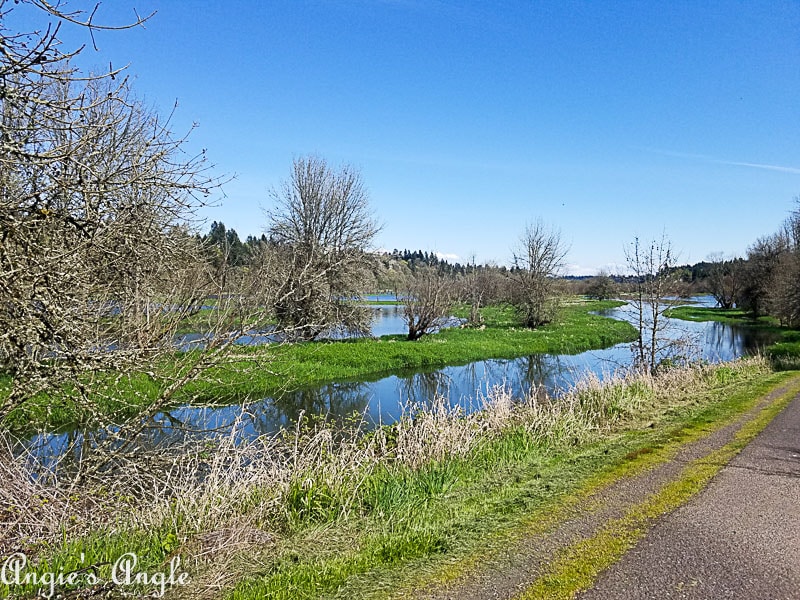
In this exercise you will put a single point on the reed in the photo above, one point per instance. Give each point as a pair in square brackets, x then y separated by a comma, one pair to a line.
[307, 510]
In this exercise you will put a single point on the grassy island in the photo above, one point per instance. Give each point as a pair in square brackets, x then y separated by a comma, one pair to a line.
[252, 372]
[784, 353]
[577, 329]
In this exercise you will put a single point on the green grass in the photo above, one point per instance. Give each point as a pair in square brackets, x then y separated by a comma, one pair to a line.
[253, 372]
[784, 352]
[307, 364]
[388, 525]
[578, 566]
[733, 316]
[92, 558]
[431, 532]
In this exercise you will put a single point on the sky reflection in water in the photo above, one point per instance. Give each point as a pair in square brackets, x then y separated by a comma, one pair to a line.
[383, 400]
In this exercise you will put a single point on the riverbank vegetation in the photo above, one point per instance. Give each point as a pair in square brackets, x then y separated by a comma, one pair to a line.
[104, 266]
[320, 510]
[249, 373]
[784, 351]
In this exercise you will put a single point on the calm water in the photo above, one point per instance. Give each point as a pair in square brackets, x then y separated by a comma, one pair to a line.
[381, 400]
[387, 319]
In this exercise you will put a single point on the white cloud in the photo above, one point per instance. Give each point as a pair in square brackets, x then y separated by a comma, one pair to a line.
[575, 269]
[778, 168]
[447, 257]
[733, 163]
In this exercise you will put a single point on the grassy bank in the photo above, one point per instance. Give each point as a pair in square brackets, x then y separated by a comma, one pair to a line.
[784, 352]
[301, 365]
[733, 316]
[322, 512]
[249, 373]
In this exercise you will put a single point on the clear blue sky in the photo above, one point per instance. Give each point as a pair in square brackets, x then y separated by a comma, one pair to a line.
[605, 119]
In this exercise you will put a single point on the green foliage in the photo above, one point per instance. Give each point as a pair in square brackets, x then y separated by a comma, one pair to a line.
[454, 508]
[224, 247]
[306, 364]
[436, 478]
[784, 353]
[386, 490]
[301, 365]
[601, 287]
[311, 500]
[732, 315]
[96, 554]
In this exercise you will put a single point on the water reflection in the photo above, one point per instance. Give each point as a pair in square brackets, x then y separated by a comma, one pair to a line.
[724, 342]
[421, 388]
[334, 400]
[386, 320]
[382, 401]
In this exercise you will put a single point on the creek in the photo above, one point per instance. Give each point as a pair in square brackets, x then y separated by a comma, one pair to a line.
[383, 398]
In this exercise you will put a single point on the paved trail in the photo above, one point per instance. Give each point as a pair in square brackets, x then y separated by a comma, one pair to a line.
[739, 538]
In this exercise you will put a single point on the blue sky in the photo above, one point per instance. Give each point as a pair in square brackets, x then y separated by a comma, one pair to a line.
[468, 119]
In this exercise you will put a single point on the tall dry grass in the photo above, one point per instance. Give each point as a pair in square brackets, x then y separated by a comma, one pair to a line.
[214, 499]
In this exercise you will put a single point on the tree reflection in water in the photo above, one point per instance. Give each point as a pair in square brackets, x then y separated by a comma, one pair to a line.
[421, 389]
[334, 401]
[382, 400]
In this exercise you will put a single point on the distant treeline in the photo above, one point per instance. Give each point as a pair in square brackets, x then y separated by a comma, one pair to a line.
[227, 244]
[765, 282]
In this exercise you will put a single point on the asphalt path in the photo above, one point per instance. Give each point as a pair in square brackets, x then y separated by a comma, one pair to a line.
[738, 538]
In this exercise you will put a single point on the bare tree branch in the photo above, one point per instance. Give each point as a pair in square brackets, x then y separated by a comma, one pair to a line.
[537, 262]
[655, 284]
[427, 302]
[320, 228]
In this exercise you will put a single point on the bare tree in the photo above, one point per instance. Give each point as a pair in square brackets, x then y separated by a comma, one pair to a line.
[771, 274]
[38, 82]
[725, 280]
[601, 287]
[322, 227]
[783, 283]
[427, 302]
[391, 274]
[480, 286]
[783, 297]
[537, 262]
[655, 281]
[98, 263]
[763, 263]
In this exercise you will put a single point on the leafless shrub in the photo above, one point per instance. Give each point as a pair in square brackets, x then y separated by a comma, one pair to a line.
[782, 281]
[763, 258]
[725, 280]
[427, 302]
[655, 285]
[601, 287]
[482, 285]
[98, 264]
[783, 298]
[321, 227]
[537, 262]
